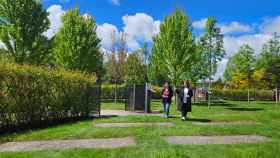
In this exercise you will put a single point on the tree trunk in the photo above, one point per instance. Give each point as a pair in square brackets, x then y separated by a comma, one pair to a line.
[175, 93]
[210, 75]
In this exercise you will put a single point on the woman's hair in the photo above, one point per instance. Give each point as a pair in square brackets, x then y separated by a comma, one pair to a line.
[187, 82]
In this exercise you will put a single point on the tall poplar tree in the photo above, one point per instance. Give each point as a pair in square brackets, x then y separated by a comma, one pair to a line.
[212, 44]
[174, 50]
[76, 45]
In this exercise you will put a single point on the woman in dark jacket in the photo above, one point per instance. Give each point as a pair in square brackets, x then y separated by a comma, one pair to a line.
[185, 94]
[167, 95]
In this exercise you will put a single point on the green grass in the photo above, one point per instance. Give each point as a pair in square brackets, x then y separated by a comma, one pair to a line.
[150, 143]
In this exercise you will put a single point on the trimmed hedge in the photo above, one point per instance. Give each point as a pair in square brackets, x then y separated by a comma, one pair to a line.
[240, 95]
[33, 96]
[108, 92]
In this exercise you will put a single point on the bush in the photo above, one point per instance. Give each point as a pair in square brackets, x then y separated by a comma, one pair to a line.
[35, 95]
[108, 92]
[242, 94]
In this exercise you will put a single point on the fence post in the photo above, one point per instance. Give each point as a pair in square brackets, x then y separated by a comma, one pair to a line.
[134, 97]
[146, 97]
[276, 95]
[115, 92]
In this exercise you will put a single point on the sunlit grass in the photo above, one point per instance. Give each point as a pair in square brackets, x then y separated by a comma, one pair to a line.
[150, 143]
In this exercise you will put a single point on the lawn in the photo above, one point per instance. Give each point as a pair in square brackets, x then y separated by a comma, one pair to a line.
[149, 139]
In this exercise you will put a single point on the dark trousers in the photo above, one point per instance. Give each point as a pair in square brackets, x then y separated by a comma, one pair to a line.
[184, 110]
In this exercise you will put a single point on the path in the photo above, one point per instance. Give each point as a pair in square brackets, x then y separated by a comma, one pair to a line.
[200, 140]
[225, 123]
[107, 113]
[67, 144]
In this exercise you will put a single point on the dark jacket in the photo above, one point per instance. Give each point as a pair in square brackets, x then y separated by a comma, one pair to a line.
[180, 93]
[169, 99]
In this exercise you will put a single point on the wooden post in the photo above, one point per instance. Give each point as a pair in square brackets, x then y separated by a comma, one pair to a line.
[134, 97]
[146, 97]
[276, 95]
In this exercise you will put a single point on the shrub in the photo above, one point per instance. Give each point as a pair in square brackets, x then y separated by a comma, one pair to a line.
[36, 95]
[108, 92]
[242, 94]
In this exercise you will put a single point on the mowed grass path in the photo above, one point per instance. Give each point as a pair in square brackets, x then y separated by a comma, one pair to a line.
[149, 139]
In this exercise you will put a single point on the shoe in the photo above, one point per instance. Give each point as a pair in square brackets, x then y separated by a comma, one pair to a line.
[183, 118]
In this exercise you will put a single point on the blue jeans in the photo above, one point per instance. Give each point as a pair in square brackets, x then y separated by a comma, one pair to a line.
[166, 107]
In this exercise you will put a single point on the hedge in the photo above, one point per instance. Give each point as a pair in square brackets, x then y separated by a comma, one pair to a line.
[108, 93]
[33, 96]
[240, 95]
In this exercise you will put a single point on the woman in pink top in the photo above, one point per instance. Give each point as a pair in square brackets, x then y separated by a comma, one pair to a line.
[167, 95]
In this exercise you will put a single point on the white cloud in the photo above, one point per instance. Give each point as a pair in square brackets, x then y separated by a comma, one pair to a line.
[139, 27]
[105, 32]
[221, 69]
[200, 24]
[115, 2]
[271, 25]
[256, 41]
[232, 44]
[235, 27]
[55, 14]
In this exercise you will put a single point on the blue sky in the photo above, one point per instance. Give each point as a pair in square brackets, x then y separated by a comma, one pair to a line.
[246, 11]
[242, 21]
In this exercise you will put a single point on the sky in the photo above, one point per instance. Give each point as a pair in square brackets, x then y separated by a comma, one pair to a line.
[242, 21]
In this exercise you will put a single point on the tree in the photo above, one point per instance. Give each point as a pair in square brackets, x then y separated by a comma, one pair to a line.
[212, 44]
[270, 50]
[240, 68]
[174, 50]
[26, 21]
[272, 74]
[122, 56]
[268, 61]
[76, 45]
[135, 69]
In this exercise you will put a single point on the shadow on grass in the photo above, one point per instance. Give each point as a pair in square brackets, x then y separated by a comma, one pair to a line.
[215, 104]
[192, 119]
[268, 103]
[105, 116]
[198, 120]
[245, 109]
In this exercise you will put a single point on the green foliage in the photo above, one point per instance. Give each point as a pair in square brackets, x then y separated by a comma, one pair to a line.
[269, 61]
[76, 45]
[34, 95]
[231, 94]
[135, 69]
[272, 73]
[23, 34]
[174, 51]
[242, 62]
[270, 50]
[108, 92]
